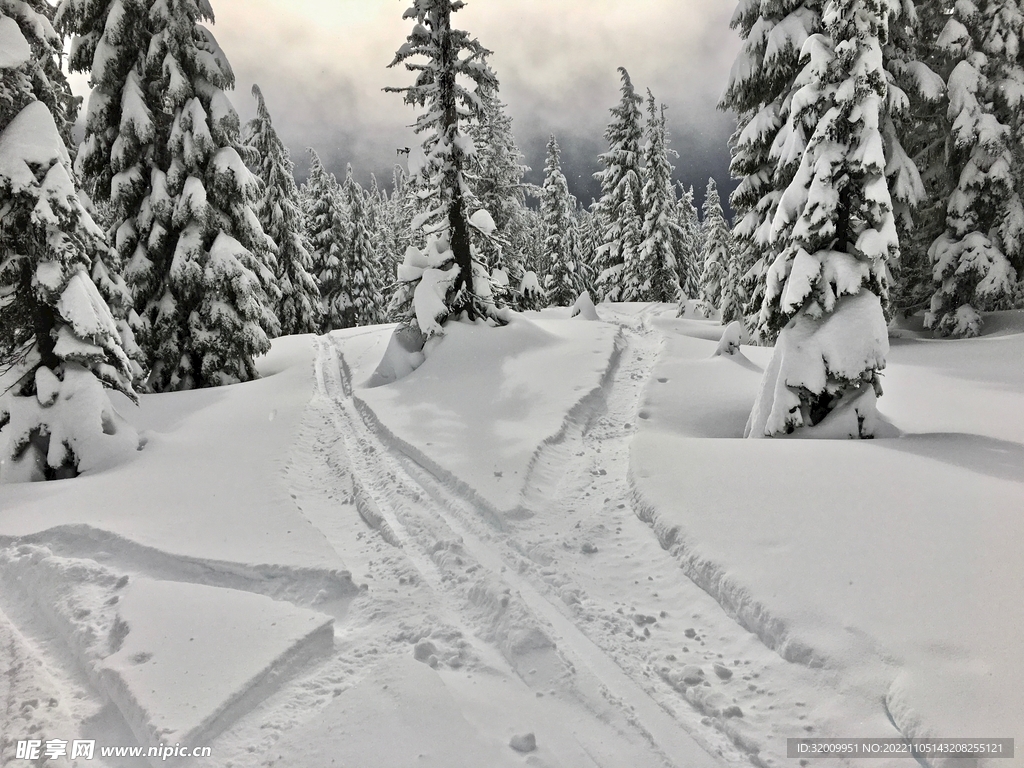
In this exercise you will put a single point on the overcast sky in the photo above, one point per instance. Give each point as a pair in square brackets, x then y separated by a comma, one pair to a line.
[322, 65]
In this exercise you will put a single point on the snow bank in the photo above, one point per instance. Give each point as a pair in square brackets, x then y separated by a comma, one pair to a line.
[895, 561]
[485, 400]
[209, 482]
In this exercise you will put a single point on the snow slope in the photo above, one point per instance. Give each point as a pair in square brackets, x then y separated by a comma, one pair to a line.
[551, 529]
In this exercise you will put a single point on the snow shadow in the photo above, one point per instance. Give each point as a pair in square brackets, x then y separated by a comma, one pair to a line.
[1002, 459]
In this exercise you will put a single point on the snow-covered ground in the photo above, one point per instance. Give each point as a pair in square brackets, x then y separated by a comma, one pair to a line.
[549, 535]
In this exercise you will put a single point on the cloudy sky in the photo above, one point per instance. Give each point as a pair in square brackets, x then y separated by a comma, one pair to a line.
[322, 65]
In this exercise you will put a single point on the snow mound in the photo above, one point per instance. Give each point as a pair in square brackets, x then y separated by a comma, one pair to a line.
[485, 399]
[584, 308]
[404, 354]
[732, 338]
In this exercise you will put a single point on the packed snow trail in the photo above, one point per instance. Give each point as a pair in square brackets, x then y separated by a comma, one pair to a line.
[445, 537]
[579, 551]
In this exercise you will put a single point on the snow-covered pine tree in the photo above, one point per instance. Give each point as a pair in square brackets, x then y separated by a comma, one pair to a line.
[717, 253]
[658, 278]
[328, 233]
[732, 301]
[621, 172]
[562, 282]
[585, 247]
[688, 246]
[826, 288]
[400, 213]
[59, 343]
[915, 132]
[280, 215]
[975, 261]
[162, 145]
[768, 142]
[631, 241]
[46, 80]
[364, 305]
[497, 182]
[443, 280]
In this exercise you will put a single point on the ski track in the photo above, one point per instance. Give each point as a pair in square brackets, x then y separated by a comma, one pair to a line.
[550, 555]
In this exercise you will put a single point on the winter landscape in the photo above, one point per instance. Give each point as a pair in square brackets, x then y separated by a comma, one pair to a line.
[401, 452]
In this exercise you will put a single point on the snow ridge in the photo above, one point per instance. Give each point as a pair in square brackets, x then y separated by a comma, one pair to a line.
[734, 598]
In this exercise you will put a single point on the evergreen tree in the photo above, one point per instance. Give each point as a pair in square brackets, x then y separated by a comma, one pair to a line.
[59, 342]
[826, 288]
[162, 145]
[327, 232]
[281, 218]
[562, 282]
[717, 254]
[769, 141]
[976, 258]
[617, 211]
[446, 280]
[658, 279]
[498, 187]
[919, 68]
[364, 305]
[688, 245]
[631, 239]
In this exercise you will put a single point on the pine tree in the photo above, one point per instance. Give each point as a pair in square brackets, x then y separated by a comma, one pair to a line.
[562, 282]
[826, 288]
[617, 211]
[688, 246]
[446, 280]
[975, 261]
[162, 145]
[497, 182]
[631, 239]
[59, 342]
[717, 253]
[281, 218]
[364, 303]
[658, 279]
[327, 232]
[769, 139]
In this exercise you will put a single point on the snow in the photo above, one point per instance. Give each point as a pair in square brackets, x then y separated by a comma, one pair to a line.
[535, 373]
[84, 309]
[483, 222]
[14, 49]
[177, 672]
[30, 139]
[549, 528]
[813, 352]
